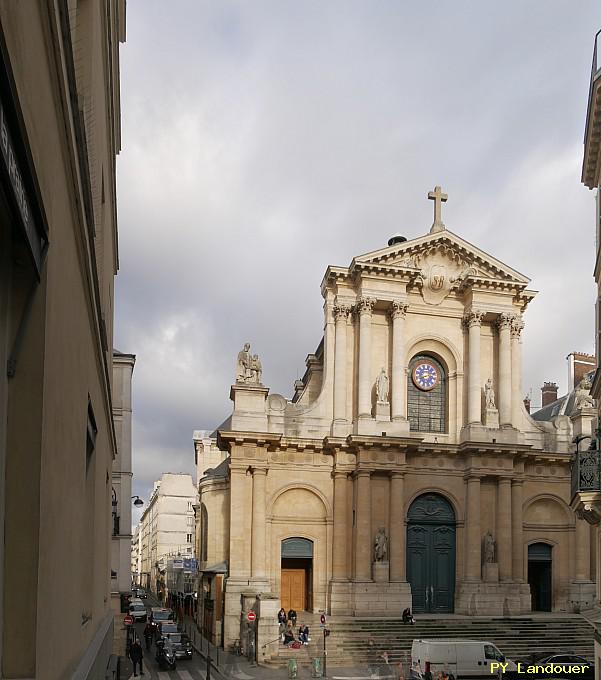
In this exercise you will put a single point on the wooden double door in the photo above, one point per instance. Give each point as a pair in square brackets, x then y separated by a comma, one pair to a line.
[296, 585]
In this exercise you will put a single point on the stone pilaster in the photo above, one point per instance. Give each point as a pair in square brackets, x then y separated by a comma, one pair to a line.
[504, 327]
[583, 551]
[473, 321]
[397, 527]
[339, 566]
[239, 562]
[363, 542]
[504, 552]
[473, 553]
[258, 524]
[517, 326]
[341, 314]
[398, 312]
[517, 530]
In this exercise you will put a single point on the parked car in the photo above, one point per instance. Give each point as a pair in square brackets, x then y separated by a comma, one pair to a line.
[141, 593]
[181, 644]
[165, 655]
[138, 611]
[566, 662]
[462, 658]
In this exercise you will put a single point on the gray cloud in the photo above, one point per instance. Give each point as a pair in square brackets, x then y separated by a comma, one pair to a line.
[263, 141]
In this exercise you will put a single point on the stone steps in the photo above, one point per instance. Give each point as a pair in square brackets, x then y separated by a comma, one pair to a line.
[518, 637]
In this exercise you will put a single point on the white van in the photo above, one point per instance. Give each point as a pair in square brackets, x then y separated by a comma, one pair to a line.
[462, 658]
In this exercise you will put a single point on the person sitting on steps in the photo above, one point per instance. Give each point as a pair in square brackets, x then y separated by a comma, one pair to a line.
[408, 616]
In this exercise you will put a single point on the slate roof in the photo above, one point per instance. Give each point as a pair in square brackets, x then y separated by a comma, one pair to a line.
[564, 406]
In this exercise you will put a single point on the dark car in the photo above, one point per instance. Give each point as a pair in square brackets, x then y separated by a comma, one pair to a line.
[563, 665]
[141, 593]
[157, 615]
[165, 627]
[181, 644]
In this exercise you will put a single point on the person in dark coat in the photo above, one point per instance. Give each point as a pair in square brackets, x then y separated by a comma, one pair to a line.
[282, 616]
[292, 617]
[136, 655]
[148, 634]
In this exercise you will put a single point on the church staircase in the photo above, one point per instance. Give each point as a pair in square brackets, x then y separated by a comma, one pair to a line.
[519, 638]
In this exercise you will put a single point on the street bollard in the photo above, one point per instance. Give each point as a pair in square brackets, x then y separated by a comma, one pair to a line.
[316, 667]
[292, 668]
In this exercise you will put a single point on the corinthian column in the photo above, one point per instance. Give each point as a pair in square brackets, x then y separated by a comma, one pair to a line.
[473, 553]
[363, 527]
[258, 524]
[473, 321]
[341, 312]
[398, 312]
[504, 326]
[516, 370]
[339, 566]
[365, 306]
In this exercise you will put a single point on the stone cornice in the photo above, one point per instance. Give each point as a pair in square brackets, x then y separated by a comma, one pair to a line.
[226, 439]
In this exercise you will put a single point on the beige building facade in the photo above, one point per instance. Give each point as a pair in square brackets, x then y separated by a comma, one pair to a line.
[405, 471]
[166, 528]
[59, 138]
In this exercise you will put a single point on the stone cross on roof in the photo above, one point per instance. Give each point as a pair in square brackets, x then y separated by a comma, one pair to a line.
[438, 197]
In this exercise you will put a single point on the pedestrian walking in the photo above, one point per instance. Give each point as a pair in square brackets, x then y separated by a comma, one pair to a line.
[148, 634]
[136, 655]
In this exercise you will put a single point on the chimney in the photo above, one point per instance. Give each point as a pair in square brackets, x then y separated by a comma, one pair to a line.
[579, 363]
[527, 403]
[549, 393]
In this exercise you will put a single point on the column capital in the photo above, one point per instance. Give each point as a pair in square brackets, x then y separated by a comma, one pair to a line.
[398, 309]
[339, 474]
[517, 482]
[504, 480]
[473, 317]
[517, 325]
[341, 311]
[396, 474]
[259, 471]
[362, 472]
[505, 320]
[365, 305]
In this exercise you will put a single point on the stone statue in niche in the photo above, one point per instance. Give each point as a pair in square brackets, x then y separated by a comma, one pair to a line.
[248, 368]
[381, 546]
[489, 394]
[382, 384]
[489, 548]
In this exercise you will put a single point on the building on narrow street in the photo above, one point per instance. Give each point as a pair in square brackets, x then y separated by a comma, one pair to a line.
[59, 137]
[167, 527]
[405, 471]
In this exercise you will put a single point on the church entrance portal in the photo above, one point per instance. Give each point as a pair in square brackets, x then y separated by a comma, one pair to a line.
[540, 576]
[297, 575]
[431, 553]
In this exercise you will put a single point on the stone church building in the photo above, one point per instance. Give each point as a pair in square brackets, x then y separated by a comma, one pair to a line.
[405, 471]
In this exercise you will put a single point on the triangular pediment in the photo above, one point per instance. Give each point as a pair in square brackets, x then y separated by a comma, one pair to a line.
[466, 258]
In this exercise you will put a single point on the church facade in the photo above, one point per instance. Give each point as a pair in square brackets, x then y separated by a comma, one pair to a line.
[405, 471]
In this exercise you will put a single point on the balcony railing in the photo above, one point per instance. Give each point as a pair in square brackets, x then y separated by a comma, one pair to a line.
[586, 470]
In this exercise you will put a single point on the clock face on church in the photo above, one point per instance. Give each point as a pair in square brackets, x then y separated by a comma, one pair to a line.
[425, 376]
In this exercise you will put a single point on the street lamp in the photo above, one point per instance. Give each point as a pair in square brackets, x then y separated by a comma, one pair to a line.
[138, 502]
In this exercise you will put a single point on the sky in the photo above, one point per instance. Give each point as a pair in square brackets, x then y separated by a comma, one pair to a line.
[264, 140]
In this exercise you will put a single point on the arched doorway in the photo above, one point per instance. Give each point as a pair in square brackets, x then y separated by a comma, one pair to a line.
[431, 553]
[540, 561]
[297, 574]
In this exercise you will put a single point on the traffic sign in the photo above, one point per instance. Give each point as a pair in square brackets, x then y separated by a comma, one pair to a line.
[128, 620]
[251, 616]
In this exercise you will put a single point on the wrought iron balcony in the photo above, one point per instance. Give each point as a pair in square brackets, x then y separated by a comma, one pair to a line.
[586, 480]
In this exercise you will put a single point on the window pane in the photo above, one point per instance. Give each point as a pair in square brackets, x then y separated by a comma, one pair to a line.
[426, 409]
